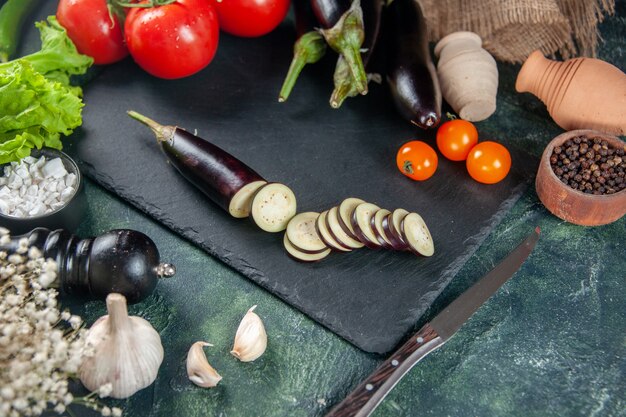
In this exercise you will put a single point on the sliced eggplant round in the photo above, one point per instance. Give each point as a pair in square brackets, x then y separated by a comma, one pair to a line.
[273, 206]
[376, 226]
[326, 236]
[344, 214]
[392, 236]
[332, 222]
[361, 223]
[396, 220]
[417, 235]
[241, 203]
[302, 256]
[302, 233]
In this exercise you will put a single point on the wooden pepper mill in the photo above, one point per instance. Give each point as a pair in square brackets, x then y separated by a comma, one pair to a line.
[120, 261]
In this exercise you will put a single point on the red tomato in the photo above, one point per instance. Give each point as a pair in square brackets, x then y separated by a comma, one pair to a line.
[455, 138]
[488, 162]
[174, 40]
[250, 18]
[417, 160]
[93, 30]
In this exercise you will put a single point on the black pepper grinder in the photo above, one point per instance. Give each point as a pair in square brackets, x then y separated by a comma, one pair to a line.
[121, 261]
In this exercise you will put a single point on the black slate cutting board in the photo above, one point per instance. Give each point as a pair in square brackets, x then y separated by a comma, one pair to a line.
[371, 298]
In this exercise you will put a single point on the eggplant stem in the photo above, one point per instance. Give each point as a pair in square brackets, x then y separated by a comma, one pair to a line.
[163, 133]
[296, 66]
[308, 49]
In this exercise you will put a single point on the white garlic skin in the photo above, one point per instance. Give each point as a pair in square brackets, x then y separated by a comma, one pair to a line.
[250, 339]
[127, 351]
[199, 371]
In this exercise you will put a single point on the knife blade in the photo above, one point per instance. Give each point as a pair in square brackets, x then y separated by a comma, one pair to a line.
[366, 397]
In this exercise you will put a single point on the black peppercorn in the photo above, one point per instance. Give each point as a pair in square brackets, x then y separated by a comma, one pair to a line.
[590, 165]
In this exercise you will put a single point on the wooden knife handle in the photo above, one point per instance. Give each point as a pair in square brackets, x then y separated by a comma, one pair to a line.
[364, 398]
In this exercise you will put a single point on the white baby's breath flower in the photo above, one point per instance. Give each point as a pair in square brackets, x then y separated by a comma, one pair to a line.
[20, 404]
[105, 390]
[12, 299]
[105, 411]
[15, 259]
[22, 245]
[59, 408]
[7, 393]
[5, 240]
[46, 278]
[34, 253]
[75, 322]
[116, 412]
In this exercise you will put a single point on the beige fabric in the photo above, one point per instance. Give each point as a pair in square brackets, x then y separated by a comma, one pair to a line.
[512, 29]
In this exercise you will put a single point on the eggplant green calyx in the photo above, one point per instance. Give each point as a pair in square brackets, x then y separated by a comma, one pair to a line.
[163, 133]
[344, 83]
[346, 37]
[308, 49]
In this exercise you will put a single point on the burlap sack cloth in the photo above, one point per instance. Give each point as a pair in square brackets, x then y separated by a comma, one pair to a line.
[512, 29]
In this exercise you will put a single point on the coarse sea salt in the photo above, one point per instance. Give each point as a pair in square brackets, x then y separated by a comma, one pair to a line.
[34, 187]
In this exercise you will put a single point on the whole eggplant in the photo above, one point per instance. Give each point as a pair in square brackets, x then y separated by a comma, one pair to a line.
[411, 74]
[218, 174]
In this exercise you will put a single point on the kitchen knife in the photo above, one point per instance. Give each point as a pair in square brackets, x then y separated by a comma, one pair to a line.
[366, 397]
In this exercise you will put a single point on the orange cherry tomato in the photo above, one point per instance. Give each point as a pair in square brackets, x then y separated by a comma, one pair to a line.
[455, 139]
[488, 162]
[417, 160]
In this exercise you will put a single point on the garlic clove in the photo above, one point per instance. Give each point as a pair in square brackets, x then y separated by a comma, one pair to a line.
[127, 351]
[250, 339]
[199, 371]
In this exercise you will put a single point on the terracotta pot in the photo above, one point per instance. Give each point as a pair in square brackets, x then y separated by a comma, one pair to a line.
[580, 93]
[468, 75]
[572, 205]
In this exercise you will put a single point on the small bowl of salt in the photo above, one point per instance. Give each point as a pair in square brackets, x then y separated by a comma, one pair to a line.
[42, 190]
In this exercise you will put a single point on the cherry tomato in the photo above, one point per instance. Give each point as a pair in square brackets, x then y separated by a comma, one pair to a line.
[455, 138]
[93, 30]
[417, 160]
[174, 40]
[250, 18]
[488, 162]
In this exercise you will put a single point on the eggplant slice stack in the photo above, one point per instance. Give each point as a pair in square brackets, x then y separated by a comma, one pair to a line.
[352, 225]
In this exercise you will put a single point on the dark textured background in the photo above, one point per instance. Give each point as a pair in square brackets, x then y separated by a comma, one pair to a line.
[550, 343]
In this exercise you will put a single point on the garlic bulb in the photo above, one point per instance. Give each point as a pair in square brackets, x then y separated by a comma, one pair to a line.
[198, 369]
[127, 351]
[250, 339]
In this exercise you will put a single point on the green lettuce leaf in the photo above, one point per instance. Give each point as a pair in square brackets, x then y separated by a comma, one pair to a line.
[37, 102]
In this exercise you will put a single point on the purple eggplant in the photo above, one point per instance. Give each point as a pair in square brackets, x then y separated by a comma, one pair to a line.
[411, 73]
[226, 180]
[309, 48]
[214, 171]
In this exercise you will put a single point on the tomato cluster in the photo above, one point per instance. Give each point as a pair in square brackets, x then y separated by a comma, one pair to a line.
[487, 162]
[168, 39]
